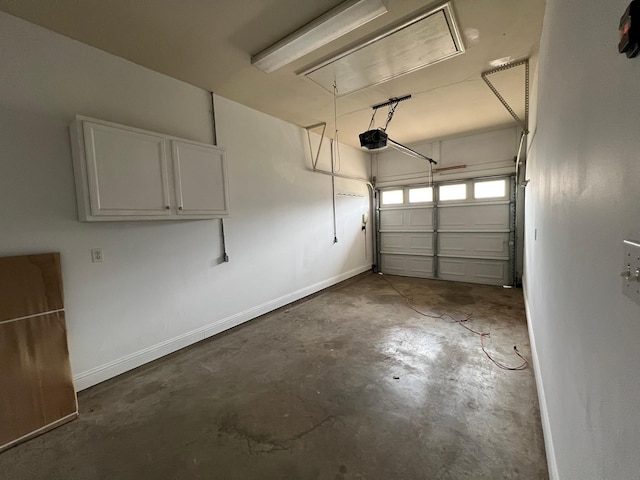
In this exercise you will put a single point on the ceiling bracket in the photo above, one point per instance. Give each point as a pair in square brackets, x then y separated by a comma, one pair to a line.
[314, 158]
[391, 101]
[524, 124]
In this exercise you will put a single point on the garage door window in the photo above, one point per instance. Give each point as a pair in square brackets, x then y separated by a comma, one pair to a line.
[453, 192]
[420, 195]
[493, 189]
[392, 197]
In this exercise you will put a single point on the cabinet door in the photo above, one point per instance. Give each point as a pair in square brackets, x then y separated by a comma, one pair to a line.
[126, 170]
[201, 179]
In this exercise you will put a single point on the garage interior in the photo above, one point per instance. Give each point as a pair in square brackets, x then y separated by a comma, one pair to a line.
[349, 383]
[461, 304]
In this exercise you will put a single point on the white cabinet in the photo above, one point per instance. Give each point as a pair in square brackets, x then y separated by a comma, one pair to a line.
[200, 174]
[124, 173]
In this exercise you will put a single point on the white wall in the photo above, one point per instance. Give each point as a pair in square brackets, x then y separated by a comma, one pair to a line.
[161, 285]
[485, 153]
[582, 201]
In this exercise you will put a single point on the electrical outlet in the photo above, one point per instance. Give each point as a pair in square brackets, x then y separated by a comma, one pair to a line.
[631, 270]
[96, 255]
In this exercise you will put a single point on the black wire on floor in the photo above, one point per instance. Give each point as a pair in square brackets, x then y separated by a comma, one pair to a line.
[462, 322]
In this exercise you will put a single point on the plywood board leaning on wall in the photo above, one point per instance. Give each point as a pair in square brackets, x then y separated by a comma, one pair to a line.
[37, 392]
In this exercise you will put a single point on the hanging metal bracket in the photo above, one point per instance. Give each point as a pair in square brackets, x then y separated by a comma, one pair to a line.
[391, 101]
[314, 160]
[524, 124]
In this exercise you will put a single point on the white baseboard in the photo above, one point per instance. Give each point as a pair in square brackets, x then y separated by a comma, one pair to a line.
[121, 365]
[542, 398]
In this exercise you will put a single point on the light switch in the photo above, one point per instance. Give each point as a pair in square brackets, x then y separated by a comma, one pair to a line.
[631, 270]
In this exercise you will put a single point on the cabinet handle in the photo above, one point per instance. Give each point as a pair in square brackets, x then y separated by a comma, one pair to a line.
[179, 208]
[167, 207]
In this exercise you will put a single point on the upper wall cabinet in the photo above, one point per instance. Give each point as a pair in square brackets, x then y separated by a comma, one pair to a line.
[124, 173]
[200, 174]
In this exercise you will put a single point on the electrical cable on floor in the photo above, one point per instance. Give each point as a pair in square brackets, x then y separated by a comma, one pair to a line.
[462, 322]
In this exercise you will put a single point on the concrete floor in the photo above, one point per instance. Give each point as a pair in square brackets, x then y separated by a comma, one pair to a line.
[348, 384]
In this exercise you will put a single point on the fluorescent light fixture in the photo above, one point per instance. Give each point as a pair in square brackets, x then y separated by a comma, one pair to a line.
[335, 23]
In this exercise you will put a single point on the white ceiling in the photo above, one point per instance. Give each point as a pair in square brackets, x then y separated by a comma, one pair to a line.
[209, 43]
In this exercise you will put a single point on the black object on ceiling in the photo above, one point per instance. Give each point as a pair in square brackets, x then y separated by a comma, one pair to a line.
[375, 139]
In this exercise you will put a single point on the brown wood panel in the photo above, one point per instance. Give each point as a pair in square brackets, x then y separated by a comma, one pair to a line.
[36, 386]
[30, 285]
[35, 375]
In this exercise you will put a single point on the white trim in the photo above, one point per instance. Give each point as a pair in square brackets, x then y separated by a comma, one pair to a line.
[407, 230]
[121, 365]
[473, 257]
[505, 230]
[408, 254]
[471, 203]
[406, 206]
[552, 464]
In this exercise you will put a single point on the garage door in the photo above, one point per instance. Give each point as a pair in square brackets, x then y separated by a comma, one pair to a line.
[461, 231]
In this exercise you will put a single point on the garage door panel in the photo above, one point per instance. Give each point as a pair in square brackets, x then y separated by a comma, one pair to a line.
[392, 242]
[420, 218]
[492, 272]
[421, 242]
[467, 240]
[391, 219]
[474, 217]
[407, 265]
[407, 242]
[474, 244]
[409, 219]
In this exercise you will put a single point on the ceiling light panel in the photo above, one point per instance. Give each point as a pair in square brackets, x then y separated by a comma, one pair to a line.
[335, 23]
[430, 38]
